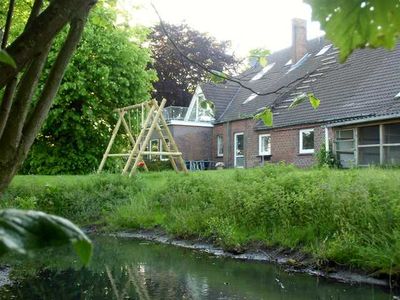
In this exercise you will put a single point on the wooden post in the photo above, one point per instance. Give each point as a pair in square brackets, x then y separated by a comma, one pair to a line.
[132, 139]
[136, 148]
[150, 132]
[110, 143]
[173, 144]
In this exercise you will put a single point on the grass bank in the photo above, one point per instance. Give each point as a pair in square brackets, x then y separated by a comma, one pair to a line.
[351, 217]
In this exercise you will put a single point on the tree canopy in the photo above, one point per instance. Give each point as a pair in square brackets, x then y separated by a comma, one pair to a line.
[178, 77]
[109, 70]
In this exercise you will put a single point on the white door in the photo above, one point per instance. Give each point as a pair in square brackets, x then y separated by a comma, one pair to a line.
[239, 150]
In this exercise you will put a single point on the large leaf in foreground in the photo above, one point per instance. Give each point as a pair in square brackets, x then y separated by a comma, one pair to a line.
[22, 231]
[7, 59]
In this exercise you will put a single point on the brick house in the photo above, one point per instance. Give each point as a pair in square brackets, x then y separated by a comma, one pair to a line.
[358, 118]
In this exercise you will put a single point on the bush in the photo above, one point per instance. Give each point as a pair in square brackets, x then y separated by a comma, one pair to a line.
[83, 199]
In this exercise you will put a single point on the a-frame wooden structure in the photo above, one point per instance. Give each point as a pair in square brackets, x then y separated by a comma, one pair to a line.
[152, 121]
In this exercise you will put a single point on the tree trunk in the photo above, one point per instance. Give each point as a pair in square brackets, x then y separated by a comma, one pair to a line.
[14, 144]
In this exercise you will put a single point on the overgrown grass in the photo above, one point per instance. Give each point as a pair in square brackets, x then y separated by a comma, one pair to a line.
[351, 217]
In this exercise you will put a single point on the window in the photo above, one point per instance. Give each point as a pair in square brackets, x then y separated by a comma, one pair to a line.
[306, 141]
[299, 63]
[323, 50]
[163, 157]
[391, 144]
[264, 144]
[251, 97]
[264, 71]
[239, 150]
[220, 146]
[344, 144]
[154, 147]
[369, 145]
[374, 145]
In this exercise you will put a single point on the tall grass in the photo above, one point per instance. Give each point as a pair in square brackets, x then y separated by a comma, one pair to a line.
[351, 217]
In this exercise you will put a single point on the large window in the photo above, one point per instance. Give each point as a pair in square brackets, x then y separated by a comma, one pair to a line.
[345, 147]
[374, 145]
[239, 150]
[306, 143]
[220, 146]
[264, 144]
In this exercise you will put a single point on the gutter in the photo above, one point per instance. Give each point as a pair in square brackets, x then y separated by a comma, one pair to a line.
[363, 120]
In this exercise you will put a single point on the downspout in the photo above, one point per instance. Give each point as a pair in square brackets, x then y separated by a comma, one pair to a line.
[326, 139]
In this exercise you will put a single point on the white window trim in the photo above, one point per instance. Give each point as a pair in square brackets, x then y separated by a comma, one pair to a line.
[235, 148]
[220, 139]
[163, 157]
[150, 148]
[301, 150]
[260, 150]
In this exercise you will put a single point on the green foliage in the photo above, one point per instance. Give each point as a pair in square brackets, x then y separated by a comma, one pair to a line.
[23, 231]
[179, 77]
[259, 56]
[7, 59]
[218, 77]
[326, 158]
[314, 101]
[350, 217]
[82, 199]
[108, 70]
[158, 165]
[352, 24]
[266, 116]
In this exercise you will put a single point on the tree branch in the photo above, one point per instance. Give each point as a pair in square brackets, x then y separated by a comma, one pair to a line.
[53, 82]
[6, 104]
[43, 29]
[223, 76]
[7, 27]
[26, 88]
[35, 11]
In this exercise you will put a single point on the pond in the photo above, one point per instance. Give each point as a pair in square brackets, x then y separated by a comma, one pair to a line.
[134, 269]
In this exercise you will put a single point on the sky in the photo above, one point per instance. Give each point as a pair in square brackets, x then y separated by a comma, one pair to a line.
[248, 24]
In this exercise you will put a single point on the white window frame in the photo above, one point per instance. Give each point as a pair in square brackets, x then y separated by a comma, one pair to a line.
[301, 150]
[220, 139]
[235, 150]
[163, 157]
[150, 148]
[260, 144]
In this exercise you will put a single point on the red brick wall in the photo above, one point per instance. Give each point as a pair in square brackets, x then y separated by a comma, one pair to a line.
[193, 141]
[284, 143]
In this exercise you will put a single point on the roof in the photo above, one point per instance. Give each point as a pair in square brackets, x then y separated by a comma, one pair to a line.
[365, 85]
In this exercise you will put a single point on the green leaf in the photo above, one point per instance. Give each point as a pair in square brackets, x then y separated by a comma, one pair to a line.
[218, 77]
[353, 24]
[298, 100]
[262, 61]
[266, 116]
[23, 231]
[207, 104]
[7, 59]
[315, 102]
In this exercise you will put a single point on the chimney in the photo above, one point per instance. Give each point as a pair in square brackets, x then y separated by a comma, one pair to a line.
[299, 39]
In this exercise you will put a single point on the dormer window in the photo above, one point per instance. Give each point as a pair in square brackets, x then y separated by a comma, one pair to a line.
[299, 63]
[289, 63]
[324, 50]
[251, 97]
[264, 71]
[397, 96]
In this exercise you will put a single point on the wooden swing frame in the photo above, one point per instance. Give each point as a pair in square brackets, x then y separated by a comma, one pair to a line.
[152, 120]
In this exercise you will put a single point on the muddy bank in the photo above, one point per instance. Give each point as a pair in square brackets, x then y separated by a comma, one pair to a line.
[292, 261]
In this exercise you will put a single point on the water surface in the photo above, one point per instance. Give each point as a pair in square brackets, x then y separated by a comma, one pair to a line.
[134, 269]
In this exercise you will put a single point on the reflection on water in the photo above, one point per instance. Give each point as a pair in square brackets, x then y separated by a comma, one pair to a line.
[132, 269]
